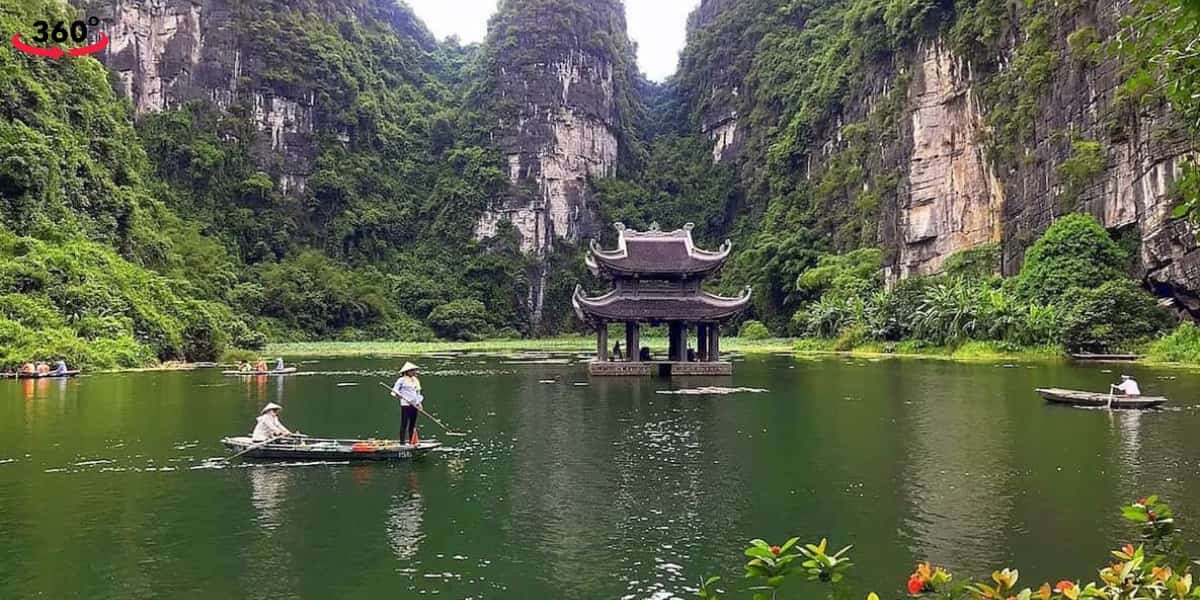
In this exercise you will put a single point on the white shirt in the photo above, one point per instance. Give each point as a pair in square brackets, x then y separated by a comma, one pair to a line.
[408, 389]
[1130, 387]
[268, 427]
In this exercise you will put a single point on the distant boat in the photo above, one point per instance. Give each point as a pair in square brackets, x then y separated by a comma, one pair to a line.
[50, 375]
[1097, 399]
[306, 448]
[286, 371]
[1103, 357]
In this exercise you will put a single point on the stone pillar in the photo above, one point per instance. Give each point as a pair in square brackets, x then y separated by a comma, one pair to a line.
[673, 340]
[714, 343]
[702, 342]
[602, 342]
[633, 345]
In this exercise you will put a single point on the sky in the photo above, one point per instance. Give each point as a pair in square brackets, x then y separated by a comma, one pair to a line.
[657, 26]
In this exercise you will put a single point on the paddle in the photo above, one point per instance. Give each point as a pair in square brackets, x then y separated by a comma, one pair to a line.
[255, 447]
[431, 417]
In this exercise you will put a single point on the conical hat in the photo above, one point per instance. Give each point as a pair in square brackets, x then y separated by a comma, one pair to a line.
[270, 406]
[409, 367]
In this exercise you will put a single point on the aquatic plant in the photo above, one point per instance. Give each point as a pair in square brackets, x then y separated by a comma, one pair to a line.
[1155, 568]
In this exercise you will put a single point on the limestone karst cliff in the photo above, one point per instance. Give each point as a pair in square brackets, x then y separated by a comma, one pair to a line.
[560, 80]
[923, 129]
[977, 140]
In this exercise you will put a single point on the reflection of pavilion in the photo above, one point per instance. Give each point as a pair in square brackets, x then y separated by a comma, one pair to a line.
[657, 278]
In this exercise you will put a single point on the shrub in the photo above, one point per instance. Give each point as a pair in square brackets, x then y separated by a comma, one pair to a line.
[1181, 345]
[1112, 316]
[460, 320]
[754, 330]
[1074, 252]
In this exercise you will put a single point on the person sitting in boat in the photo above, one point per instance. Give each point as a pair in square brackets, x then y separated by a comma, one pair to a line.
[268, 424]
[28, 368]
[279, 364]
[43, 369]
[408, 390]
[261, 365]
[60, 368]
[1127, 387]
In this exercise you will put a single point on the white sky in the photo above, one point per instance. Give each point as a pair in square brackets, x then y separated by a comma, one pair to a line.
[658, 26]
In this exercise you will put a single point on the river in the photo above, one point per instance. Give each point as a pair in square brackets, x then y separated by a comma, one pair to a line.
[574, 487]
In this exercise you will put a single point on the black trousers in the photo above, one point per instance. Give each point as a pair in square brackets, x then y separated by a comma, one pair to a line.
[408, 423]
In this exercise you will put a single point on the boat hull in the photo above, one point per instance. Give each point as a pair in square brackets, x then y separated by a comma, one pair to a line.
[330, 449]
[43, 376]
[1097, 399]
[287, 371]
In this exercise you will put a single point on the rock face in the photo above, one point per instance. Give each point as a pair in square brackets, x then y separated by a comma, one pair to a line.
[556, 98]
[166, 53]
[720, 76]
[952, 196]
[563, 133]
[953, 199]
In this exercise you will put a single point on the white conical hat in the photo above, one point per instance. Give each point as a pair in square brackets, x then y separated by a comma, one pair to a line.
[409, 367]
[269, 407]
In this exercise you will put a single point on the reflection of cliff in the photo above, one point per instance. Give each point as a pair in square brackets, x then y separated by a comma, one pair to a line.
[612, 478]
[956, 470]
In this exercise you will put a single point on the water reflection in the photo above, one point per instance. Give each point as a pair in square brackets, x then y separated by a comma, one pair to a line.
[957, 473]
[269, 488]
[404, 520]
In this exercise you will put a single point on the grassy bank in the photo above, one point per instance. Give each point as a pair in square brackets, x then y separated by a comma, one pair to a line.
[554, 344]
[969, 351]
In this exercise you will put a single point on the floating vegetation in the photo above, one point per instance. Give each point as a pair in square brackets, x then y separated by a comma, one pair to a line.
[710, 389]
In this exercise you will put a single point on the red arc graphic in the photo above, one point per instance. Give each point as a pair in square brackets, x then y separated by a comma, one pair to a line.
[52, 52]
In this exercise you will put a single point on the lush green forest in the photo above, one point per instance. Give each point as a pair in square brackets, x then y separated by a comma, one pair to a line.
[126, 241]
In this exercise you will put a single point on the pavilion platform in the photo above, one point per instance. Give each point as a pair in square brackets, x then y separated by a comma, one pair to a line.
[662, 368]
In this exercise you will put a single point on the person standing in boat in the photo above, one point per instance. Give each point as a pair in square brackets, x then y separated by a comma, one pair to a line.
[1127, 387]
[408, 390]
[268, 424]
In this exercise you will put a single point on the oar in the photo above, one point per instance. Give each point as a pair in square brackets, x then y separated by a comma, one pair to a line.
[255, 447]
[431, 417]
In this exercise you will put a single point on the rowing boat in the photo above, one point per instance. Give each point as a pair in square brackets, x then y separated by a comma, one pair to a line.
[1090, 356]
[1078, 398]
[287, 371]
[51, 375]
[309, 448]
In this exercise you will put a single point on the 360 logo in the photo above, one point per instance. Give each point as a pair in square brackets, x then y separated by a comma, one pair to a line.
[60, 32]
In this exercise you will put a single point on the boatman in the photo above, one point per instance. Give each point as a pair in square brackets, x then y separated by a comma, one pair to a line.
[279, 364]
[60, 368]
[1127, 387]
[408, 390]
[269, 426]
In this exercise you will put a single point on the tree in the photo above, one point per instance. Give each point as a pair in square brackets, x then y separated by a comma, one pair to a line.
[1114, 314]
[460, 320]
[1074, 252]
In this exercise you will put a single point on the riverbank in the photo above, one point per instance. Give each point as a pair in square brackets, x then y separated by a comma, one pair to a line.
[554, 344]
[967, 352]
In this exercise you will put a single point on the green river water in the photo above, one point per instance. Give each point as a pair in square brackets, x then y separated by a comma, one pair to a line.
[574, 488]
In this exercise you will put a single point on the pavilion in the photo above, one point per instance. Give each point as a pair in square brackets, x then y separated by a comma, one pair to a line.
[657, 277]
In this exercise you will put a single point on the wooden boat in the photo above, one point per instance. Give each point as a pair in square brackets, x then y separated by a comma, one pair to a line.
[51, 375]
[310, 448]
[1078, 398]
[1083, 356]
[235, 373]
